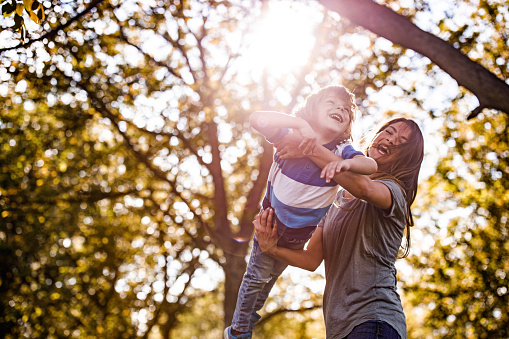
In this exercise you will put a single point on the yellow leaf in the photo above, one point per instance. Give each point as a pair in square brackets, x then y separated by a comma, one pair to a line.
[19, 8]
[34, 17]
[40, 14]
[28, 4]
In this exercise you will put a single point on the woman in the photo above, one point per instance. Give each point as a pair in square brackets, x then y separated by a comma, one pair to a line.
[360, 237]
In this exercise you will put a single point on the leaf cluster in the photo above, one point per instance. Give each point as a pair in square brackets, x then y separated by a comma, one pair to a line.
[33, 8]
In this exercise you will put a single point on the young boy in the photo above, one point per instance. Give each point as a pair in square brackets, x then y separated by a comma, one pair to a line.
[299, 197]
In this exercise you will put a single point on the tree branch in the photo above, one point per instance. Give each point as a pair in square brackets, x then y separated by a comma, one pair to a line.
[491, 91]
[124, 38]
[51, 34]
[271, 315]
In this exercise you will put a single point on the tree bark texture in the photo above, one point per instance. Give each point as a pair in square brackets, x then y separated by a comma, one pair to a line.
[491, 91]
[233, 278]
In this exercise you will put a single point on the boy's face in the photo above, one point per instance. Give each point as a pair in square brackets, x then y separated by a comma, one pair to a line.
[331, 119]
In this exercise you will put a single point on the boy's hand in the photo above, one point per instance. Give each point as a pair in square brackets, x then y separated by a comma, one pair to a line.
[334, 168]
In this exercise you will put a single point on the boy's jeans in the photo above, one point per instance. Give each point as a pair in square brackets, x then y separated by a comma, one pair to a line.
[261, 274]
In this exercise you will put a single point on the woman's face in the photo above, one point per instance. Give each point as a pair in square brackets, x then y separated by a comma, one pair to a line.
[395, 134]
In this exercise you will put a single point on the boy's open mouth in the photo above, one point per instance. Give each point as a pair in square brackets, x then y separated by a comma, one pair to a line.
[336, 117]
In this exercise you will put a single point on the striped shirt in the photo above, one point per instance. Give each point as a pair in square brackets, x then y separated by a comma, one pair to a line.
[299, 197]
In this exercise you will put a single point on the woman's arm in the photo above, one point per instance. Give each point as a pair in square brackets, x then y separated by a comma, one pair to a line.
[360, 186]
[308, 259]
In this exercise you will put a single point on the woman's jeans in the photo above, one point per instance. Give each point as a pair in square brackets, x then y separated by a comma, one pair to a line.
[373, 330]
[261, 274]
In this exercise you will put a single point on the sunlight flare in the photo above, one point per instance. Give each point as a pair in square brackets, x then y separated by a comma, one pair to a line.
[283, 39]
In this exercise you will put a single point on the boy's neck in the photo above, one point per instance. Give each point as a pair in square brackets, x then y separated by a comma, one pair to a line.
[326, 137]
[325, 141]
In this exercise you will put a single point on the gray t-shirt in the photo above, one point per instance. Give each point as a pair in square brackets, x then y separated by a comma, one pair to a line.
[360, 247]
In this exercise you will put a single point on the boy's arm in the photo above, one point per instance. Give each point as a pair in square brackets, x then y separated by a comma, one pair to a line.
[359, 164]
[268, 123]
[361, 186]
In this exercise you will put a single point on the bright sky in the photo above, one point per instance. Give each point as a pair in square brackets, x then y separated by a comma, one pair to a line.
[281, 42]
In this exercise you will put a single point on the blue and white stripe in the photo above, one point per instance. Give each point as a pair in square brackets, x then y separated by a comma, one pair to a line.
[295, 191]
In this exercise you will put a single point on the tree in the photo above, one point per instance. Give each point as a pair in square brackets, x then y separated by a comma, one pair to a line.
[65, 232]
[491, 91]
[164, 177]
[460, 283]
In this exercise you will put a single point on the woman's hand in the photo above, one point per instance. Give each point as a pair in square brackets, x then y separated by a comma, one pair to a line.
[266, 235]
[333, 168]
[288, 146]
[310, 139]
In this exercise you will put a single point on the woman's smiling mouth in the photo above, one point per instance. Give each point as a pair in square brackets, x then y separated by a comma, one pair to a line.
[382, 149]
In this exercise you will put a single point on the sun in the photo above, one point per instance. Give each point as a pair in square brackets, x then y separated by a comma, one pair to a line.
[283, 39]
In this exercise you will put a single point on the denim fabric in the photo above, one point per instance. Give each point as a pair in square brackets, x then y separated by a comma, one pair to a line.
[261, 274]
[373, 330]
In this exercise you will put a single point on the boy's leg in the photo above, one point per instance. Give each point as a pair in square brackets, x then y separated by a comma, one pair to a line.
[258, 274]
[277, 270]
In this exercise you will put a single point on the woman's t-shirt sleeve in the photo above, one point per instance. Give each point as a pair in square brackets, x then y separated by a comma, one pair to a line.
[399, 203]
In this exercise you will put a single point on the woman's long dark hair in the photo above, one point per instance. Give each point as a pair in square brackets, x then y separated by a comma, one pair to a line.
[404, 169]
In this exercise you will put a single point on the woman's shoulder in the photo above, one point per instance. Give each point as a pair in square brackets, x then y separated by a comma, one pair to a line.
[398, 193]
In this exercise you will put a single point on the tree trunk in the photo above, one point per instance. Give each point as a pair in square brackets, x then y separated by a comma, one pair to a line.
[491, 91]
[234, 271]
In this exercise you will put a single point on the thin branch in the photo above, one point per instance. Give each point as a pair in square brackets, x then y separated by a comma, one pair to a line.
[271, 315]
[124, 38]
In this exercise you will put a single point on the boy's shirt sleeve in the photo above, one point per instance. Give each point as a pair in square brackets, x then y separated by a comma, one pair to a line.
[348, 152]
[278, 136]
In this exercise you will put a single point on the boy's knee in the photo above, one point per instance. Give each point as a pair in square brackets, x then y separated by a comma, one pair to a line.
[257, 279]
